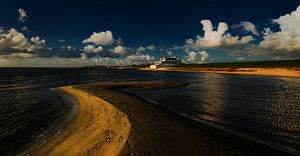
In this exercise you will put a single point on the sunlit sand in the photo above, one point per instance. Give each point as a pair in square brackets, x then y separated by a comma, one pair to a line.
[99, 129]
[240, 71]
[110, 122]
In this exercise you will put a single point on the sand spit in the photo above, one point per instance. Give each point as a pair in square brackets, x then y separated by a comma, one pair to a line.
[111, 122]
[99, 129]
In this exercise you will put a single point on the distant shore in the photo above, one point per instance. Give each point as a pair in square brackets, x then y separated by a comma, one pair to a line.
[285, 68]
[285, 72]
[111, 122]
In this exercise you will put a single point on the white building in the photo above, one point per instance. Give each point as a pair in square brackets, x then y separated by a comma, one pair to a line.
[165, 62]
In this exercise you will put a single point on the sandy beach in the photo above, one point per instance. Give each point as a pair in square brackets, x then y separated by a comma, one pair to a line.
[285, 72]
[111, 122]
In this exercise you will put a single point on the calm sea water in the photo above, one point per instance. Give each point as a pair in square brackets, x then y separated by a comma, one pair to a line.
[264, 108]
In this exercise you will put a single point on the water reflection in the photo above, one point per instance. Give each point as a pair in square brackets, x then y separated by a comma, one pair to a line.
[265, 108]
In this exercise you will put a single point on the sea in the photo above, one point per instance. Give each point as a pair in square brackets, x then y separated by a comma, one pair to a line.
[259, 108]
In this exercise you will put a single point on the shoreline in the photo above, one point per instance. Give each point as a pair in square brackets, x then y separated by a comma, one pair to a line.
[59, 125]
[110, 122]
[281, 72]
[89, 131]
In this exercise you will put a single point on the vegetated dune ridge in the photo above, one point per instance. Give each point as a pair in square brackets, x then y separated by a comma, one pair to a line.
[111, 122]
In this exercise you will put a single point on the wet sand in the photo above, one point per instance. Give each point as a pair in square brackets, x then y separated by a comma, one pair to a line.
[285, 72]
[111, 122]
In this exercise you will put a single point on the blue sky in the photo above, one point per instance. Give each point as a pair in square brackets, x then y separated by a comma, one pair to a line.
[51, 33]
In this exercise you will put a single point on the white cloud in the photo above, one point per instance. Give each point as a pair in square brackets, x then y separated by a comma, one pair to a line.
[191, 56]
[141, 59]
[24, 28]
[235, 40]
[203, 56]
[92, 49]
[37, 43]
[189, 41]
[216, 38]
[248, 26]
[13, 39]
[151, 47]
[18, 61]
[119, 50]
[71, 48]
[108, 61]
[211, 37]
[288, 38]
[276, 58]
[61, 41]
[240, 58]
[83, 57]
[169, 53]
[22, 15]
[140, 49]
[100, 38]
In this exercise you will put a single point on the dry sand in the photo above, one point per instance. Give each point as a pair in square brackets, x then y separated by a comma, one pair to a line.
[99, 129]
[286, 72]
[111, 122]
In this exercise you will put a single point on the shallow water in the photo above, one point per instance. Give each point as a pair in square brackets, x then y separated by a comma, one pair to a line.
[263, 108]
[266, 108]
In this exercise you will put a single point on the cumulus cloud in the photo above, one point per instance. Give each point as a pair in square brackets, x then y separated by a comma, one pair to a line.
[109, 61]
[203, 56]
[119, 50]
[13, 39]
[189, 41]
[61, 41]
[15, 44]
[140, 49]
[211, 38]
[71, 48]
[81, 60]
[37, 43]
[83, 57]
[140, 59]
[24, 28]
[236, 40]
[216, 38]
[288, 38]
[22, 15]
[195, 56]
[100, 38]
[240, 58]
[129, 60]
[92, 49]
[67, 48]
[250, 27]
[151, 47]
[191, 56]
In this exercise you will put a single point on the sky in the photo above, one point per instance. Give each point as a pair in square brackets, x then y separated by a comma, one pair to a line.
[55, 33]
